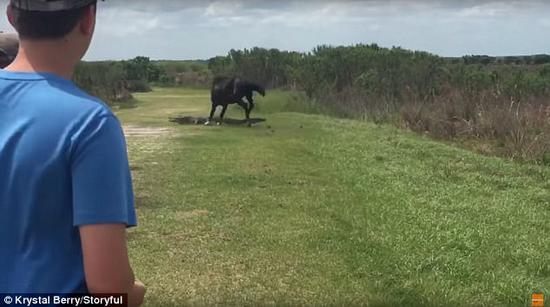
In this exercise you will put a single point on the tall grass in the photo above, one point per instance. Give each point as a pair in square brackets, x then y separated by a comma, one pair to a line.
[500, 102]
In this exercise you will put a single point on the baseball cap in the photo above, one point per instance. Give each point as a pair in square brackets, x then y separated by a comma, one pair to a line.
[50, 5]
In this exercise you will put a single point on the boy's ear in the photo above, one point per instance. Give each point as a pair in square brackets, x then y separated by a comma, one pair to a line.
[87, 24]
[9, 13]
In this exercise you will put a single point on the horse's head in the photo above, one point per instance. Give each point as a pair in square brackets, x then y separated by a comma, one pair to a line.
[261, 90]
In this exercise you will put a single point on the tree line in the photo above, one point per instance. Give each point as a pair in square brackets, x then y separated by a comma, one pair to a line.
[115, 81]
[502, 101]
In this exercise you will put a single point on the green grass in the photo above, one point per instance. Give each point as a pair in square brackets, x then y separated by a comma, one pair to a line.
[311, 210]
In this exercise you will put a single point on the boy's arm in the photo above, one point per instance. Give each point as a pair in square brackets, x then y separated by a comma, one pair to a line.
[106, 262]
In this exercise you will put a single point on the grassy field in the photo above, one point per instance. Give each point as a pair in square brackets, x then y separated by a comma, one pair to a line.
[311, 210]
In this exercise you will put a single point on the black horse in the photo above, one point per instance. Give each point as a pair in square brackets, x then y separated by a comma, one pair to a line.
[226, 91]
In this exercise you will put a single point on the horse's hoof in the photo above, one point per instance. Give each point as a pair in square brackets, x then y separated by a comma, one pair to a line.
[219, 123]
[207, 123]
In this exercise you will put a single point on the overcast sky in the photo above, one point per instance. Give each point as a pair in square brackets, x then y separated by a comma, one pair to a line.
[193, 29]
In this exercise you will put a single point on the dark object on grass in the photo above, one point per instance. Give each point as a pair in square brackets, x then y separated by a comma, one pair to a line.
[191, 120]
[226, 91]
[188, 120]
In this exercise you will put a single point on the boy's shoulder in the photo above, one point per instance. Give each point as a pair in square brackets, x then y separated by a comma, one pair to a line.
[49, 92]
[73, 98]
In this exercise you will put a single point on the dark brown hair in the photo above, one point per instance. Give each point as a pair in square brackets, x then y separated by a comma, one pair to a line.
[36, 25]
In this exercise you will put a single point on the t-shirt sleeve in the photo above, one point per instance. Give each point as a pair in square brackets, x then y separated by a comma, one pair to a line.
[101, 178]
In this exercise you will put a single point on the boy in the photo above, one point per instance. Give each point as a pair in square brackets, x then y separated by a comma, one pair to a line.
[66, 195]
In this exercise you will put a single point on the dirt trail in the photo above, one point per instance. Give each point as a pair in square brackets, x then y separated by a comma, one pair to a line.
[136, 131]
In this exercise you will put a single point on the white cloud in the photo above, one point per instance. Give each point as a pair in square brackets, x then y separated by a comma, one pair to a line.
[296, 15]
[126, 23]
[223, 8]
[488, 10]
[375, 27]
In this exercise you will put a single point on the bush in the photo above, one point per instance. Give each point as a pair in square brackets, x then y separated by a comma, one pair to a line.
[472, 98]
[139, 86]
[106, 80]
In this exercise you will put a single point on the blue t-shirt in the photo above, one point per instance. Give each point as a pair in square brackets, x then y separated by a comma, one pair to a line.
[63, 164]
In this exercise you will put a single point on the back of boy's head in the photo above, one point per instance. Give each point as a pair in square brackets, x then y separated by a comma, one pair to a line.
[47, 19]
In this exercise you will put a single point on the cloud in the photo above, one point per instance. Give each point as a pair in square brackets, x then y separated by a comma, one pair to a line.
[180, 5]
[126, 23]
[223, 8]
[325, 15]
[509, 9]
[545, 22]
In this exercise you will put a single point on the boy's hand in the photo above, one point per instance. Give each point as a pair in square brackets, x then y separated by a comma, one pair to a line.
[135, 298]
[106, 262]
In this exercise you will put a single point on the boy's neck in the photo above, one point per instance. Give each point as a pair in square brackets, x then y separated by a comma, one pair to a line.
[44, 56]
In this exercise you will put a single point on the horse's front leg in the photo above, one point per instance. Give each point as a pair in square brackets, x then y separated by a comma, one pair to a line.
[250, 107]
[246, 109]
[249, 110]
[212, 111]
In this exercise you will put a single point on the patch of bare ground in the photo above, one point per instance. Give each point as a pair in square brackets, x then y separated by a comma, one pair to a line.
[183, 215]
[136, 131]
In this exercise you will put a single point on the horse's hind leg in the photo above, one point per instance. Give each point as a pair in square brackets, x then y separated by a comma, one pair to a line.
[222, 114]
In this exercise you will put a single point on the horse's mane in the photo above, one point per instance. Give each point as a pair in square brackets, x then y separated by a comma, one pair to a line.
[256, 87]
[220, 79]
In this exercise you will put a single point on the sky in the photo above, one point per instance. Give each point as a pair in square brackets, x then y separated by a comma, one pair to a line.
[200, 29]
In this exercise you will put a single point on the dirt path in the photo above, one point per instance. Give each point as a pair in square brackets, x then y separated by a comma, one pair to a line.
[137, 131]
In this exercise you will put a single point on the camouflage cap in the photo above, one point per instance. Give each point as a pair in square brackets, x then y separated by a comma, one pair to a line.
[50, 5]
[9, 44]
